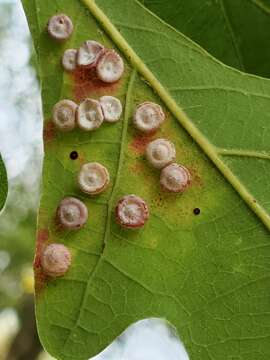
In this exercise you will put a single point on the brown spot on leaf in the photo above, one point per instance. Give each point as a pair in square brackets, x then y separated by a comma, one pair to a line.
[195, 178]
[86, 83]
[140, 142]
[48, 131]
[40, 276]
[42, 238]
[58, 226]
[137, 168]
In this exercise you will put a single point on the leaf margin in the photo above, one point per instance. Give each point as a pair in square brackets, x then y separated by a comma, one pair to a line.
[4, 185]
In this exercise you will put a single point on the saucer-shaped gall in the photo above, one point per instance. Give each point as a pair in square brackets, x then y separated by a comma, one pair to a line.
[93, 178]
[111, 107]
[64, 115]
[55, 260]
[131, 212]
[89, 115]
[175, 178]
[110, 66]
[69, 59]
[89, 53]
[160, 153]
[60, 27]
[72, 213]
[148, 117]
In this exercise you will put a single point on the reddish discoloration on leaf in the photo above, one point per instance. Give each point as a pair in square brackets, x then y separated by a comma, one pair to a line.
[158, 200]
[42, 238]
[195, 178]
[40, 277]
[82, 159]
[57, 225]
[137, 168]
[48, 131]
[40, 280]
[140, 142]
[86, 83]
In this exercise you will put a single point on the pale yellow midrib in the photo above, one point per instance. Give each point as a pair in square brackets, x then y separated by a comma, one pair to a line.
[179, 114]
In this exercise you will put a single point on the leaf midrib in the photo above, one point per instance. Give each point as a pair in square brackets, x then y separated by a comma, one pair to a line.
[176, 110]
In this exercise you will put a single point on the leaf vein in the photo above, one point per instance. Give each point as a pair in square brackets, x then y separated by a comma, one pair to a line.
[233, 37]
[110, 202]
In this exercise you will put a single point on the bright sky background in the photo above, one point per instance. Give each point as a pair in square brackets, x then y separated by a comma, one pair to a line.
[21, 148]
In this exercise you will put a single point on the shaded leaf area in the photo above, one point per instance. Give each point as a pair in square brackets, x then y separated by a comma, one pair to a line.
[3, 183]
[235, 32]
[208, 274]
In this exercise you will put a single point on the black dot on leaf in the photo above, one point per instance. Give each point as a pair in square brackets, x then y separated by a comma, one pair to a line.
[73, 155]
[196, 211]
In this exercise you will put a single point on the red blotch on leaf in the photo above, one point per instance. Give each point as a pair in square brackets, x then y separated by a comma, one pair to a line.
[140, 142]
[48, 131]
[86, 82]
[40, 276]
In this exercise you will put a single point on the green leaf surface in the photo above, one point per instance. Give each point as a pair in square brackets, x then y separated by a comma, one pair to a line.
[3, 184]
[208, 275]
[234, 31]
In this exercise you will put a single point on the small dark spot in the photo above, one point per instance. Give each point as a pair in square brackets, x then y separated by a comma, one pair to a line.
[196, 211]
[73, 155]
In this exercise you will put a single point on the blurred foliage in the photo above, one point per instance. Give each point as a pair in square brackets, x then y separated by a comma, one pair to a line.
[20, 145]
[18, 220]
[18, 245]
